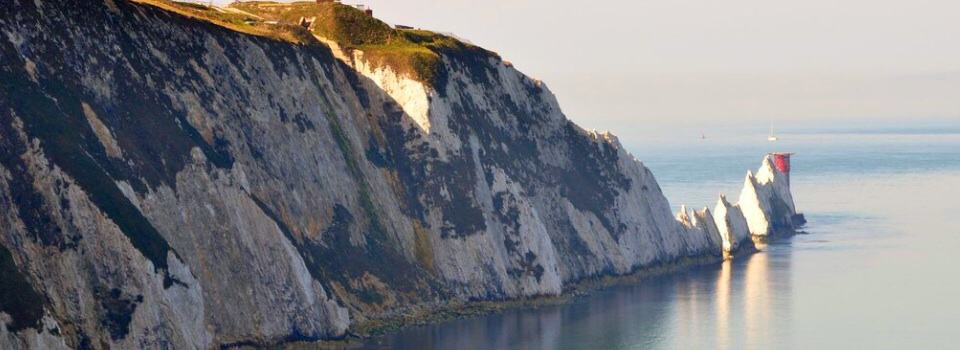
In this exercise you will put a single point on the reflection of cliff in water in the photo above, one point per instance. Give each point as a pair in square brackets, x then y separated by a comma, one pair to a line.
[757, 298]
[747, 300]
[732, 305]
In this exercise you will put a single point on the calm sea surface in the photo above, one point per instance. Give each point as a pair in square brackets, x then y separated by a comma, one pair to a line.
[878, 268]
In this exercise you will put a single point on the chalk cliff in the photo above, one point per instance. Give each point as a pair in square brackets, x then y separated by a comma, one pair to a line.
[766, 202]
[166, 182]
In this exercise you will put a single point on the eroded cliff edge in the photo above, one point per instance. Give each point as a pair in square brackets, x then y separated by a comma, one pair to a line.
[167, 182]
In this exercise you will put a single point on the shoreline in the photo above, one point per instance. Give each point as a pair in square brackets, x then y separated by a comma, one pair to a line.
[365, 331]
[583, 287]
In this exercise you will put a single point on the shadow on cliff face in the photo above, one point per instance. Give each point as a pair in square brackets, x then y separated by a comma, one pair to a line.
[18, 298]
[50, 110]
[155, 138]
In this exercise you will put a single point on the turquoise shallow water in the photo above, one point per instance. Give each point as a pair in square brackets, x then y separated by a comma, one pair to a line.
[875, 271]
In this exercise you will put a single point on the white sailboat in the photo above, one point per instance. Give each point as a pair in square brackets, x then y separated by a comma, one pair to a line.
[772, 137]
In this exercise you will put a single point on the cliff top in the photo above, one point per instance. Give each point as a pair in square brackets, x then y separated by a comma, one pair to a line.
[415, 53]
[236, 20]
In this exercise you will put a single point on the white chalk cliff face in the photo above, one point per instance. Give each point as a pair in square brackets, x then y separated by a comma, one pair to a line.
[766, 201]
[731, 224]
[169, 183]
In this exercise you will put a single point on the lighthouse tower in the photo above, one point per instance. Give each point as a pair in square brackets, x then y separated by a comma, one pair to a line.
[781, 160]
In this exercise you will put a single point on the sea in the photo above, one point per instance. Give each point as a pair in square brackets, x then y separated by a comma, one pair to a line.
[876, 267]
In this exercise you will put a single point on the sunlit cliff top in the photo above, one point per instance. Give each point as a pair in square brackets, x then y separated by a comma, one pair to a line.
[408, 51]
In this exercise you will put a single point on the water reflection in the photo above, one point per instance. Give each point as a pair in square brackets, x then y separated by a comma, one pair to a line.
[756, 296]
[723, 306]
[731, 305]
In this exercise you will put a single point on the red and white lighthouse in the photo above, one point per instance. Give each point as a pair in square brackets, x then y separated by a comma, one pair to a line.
[781, 160]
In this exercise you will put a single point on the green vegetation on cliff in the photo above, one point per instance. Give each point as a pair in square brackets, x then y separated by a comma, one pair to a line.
[236, 20]
[412, 52]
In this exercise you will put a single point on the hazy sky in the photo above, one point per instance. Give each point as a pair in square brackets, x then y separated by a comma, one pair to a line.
[621, 65]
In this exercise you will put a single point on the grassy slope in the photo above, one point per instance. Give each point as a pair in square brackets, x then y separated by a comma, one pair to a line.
[415, 53]
[237, 21]
[411, 52]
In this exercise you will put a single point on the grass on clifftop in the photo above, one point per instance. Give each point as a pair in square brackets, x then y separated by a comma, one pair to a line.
[411, 52]
[236, 20]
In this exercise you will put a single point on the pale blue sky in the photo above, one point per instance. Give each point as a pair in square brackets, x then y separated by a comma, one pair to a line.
[698, 63]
